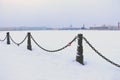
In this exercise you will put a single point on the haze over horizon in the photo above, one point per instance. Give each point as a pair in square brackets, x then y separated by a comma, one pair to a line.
[59, 13]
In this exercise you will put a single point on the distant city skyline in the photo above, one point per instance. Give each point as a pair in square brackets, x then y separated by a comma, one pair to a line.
[59, 13]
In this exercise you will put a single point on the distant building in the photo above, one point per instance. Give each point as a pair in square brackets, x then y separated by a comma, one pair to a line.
[83, 27]
[99, 28]
[6, 28]
[104, 27]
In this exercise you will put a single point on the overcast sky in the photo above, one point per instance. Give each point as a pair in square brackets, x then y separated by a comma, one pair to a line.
[59, 13]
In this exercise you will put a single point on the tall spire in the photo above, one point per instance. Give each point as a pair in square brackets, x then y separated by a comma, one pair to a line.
[118, 25]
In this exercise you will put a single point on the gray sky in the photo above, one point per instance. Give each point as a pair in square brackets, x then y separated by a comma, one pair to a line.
[59, 13]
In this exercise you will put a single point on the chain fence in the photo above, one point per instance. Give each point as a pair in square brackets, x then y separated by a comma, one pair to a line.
[62, 48]
[19, 42]
[3, 39]
[53, 50]
[93, 48]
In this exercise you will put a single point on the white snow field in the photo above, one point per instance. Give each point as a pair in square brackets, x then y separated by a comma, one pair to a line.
[18, 63]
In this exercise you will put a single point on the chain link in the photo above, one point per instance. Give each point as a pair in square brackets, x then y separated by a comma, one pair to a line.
[56, 49]
[4, 39]
[108, 60]
[19, 42]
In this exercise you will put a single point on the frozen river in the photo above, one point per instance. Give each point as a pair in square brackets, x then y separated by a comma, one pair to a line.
[18, 63]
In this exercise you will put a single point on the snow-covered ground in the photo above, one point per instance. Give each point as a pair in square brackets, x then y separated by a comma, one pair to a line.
[18, 63]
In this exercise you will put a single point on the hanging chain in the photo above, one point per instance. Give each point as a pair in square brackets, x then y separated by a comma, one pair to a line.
[93, 48]
[53, 50]
[3, 39]
[19, 42]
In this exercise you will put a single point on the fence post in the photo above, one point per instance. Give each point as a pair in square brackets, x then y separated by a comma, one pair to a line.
[29, 47]
[79, 56]
[8, 38]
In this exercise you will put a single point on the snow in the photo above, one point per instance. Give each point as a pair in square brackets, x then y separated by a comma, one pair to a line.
[18, 63]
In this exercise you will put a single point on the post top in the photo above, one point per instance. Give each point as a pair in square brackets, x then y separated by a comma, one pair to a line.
[80, 35]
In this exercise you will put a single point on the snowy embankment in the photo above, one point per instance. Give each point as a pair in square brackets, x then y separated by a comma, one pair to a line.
[18, 63]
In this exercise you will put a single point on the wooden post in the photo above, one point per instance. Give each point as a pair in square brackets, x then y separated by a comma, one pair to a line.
[8, 38]
[79, 57]
[29, 47]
